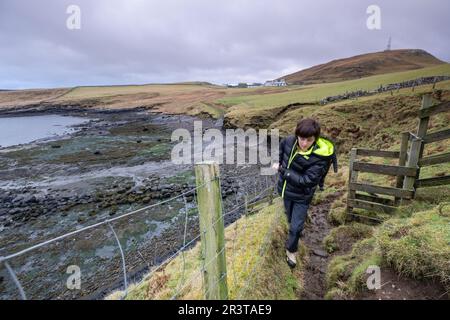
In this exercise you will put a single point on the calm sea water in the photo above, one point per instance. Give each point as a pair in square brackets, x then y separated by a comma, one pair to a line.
[21, 130]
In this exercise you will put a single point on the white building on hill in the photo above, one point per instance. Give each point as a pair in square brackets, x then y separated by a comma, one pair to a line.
[275, 83]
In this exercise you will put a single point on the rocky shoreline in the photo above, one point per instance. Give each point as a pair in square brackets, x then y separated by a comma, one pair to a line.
[116, 162]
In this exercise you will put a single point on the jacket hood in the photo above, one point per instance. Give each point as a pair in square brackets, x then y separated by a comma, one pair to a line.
[325, 147]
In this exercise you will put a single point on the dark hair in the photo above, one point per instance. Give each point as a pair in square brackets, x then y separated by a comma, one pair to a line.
[307, 128]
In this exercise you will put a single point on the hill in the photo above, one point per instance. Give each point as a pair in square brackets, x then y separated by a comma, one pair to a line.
[364, 65]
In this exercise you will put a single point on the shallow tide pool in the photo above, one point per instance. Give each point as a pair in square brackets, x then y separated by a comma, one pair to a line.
[21, 130]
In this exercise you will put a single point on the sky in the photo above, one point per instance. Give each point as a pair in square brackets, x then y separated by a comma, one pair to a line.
[113, 42]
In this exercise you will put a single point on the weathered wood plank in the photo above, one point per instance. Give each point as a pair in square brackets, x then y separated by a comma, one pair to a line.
[355, 203]
[397, 192]
[436, 159]
[403, 156]
[385, 169]
[438, 108]
[352, 177]
[429, 182]
[437, 136]
[412, 162]
[365, 197]
[427, 102]
[378, 153]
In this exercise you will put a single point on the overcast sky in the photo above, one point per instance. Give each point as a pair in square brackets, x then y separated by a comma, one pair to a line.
[226, 41]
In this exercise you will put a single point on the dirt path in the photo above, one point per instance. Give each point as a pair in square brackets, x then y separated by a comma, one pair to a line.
[394, 286]
[316, 229]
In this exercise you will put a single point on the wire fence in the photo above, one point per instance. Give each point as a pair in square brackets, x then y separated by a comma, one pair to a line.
[244, 194]
[239, 208]
[245, 213]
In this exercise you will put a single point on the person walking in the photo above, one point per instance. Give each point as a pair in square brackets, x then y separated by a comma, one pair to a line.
[304, 161]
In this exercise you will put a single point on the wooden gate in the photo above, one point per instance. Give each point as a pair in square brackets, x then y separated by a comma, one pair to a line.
[410, 161]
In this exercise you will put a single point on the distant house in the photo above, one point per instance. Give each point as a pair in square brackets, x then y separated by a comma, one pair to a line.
[275, 83]
[244, 85]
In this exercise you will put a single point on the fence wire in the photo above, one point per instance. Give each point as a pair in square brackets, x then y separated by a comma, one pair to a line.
[239, 205]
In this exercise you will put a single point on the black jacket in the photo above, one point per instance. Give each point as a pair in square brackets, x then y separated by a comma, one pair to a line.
[299, 177]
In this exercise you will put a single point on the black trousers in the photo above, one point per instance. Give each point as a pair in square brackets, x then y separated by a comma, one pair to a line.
[296, 213]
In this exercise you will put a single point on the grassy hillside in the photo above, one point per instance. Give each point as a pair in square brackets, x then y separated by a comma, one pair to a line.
[313, 93]
[185, 98]
[272, 110]
[364, 65]
[369, 122]
[19, 98]
[411, 246]
[239, 105]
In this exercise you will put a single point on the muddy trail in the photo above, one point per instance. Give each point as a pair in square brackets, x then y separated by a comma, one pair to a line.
[316, 229]
[394, 286]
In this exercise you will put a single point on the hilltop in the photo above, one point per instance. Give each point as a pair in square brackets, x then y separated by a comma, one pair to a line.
[364, 65]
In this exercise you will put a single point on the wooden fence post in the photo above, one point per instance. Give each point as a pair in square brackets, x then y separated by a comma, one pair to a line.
[212, 231]
[412, 162]
[402, 161]
[352, 177]
[423, 126]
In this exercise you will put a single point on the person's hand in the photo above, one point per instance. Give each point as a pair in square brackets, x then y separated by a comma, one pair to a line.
[276, 166]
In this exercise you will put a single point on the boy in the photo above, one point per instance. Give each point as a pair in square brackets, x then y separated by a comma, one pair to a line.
[304, 161]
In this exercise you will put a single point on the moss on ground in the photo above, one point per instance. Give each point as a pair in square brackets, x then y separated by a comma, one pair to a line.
[415, 246]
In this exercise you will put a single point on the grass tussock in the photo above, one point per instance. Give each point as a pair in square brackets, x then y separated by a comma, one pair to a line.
[415, 245]
[337, 214]
[348, 233]
[346, 274]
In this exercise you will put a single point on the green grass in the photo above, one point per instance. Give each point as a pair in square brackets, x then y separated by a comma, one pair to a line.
[345, 273]
[320, 196]
[337, 214]
[208, 109]
[418, 246]
[355, 123]
[414, 243]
